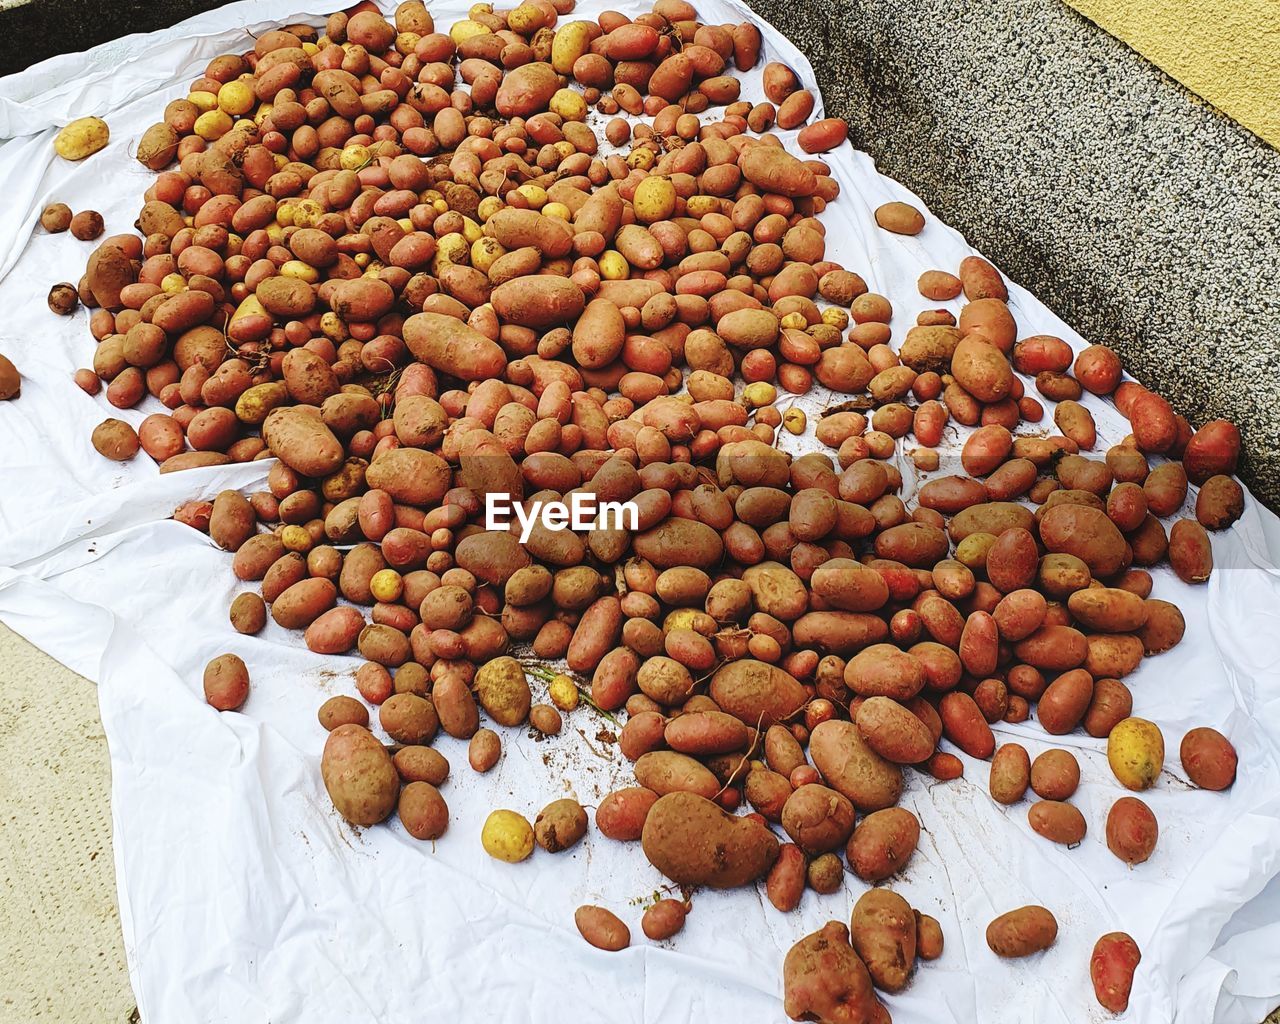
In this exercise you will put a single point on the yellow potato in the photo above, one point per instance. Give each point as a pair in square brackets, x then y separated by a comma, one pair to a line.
[213, 124]
[237, 98]
[1135, 750]
[569, 105]
[655, 199]
[81, 138]
[507, 836]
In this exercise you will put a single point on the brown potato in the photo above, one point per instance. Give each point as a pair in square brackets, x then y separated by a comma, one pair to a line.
[824, 979]
[1022, 932]
[1057, 821]
[560, 825]
[693, 842]
[883, 927]
[883, 843]
[423, 811]
[1010, 773]
[358, 773]
[602, 928]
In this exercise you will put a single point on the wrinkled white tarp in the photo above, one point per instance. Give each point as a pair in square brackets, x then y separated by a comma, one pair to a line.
[244, 897]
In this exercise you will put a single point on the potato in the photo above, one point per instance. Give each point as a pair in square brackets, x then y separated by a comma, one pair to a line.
[1114, 960]
[1135, 751]
[981, 369]
[484, 750]
[665, 680]
[893, 732]
[1219, 503]
[560, 825]
[232, 521]
[1108, 610]
[703, 733]
[422, 811]
[598, 335]
[358, 773]
[1022, 932]
[785, 883]
[929, 940]
[823, 136]
[772, 169]
[342, 710]
[882, 843]
[448, 345]
[849, 585]
[1213, 450]
[1019, 614]
[1088, 534]
[850, 767]
[491, 557]
[1163, 628]
[1208, 758]
[408, 718]
[1055, 775]
[823, 979]
[965, 726]
[602, 928]
[298, 438]
[421, 764]
[882, 670]
[1113, 655]
[1010, 773]
[680, 542]
[1190, 551]
[665, 771]
[507, 836]
[622, 813]
[883, 927]
[693, 842]
[1065, 701]
[900, 218]
[664, 919]
[248, 613]
[1132, 830]
[1053, 648]
[503, 691]
[757, 694]
[113, 439]
[981, 280]
[1057, 821]
[81, 138]
[817, 819]
[226, 683]
[303, 602]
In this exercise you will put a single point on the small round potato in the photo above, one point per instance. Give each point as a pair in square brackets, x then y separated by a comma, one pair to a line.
[508, 836]
[560, 825]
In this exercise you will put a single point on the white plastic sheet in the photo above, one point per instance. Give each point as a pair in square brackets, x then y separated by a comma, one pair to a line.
[245, 898]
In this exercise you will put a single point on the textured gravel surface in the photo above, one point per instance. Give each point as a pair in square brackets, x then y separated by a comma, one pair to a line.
[61, 952]
[1142, 216]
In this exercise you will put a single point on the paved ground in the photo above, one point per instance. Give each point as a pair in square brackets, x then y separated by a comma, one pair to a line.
[61, 953]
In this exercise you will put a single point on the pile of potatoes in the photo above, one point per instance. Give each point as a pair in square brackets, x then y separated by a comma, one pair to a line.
[411, 291]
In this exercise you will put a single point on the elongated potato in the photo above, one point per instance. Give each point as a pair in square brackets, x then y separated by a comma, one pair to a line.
[358, 773]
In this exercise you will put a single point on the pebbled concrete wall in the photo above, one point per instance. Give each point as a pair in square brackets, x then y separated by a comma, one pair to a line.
[1142, 216]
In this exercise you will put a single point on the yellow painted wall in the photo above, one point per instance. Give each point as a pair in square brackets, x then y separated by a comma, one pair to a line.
[1227, 51]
